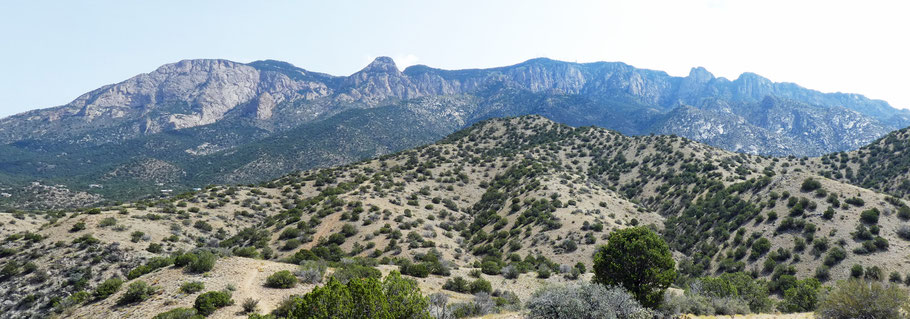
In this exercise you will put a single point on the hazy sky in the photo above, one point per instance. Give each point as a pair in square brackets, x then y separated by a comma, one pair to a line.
[51, 52]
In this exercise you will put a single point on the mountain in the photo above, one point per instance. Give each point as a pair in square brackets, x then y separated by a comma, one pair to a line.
[198, 122]
[525, 193]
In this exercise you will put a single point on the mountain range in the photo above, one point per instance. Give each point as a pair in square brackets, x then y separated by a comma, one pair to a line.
[198, 122]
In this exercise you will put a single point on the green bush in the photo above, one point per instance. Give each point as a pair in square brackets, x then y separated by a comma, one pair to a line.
[80, 226]
[457, 284]
[248, 252]
[393, 297]
[207, 303]
[152, 265]
[863, 299]
[810, 184]
[490, 267]
[869, 216]
[415, 270]
[802, 297]
[638, 260]
[136, 292]
[204, 262]
[355, 271]
[283, 279]
[192, 287]
[480, 285]
[108, 288]
[185, 259]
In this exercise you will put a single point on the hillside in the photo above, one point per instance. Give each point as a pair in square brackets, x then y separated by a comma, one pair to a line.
[200, 122]
[523, 193]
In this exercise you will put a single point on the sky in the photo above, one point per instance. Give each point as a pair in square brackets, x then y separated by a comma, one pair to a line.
[53, 51]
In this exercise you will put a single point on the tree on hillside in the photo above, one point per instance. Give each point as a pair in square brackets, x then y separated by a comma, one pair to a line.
[639, 260]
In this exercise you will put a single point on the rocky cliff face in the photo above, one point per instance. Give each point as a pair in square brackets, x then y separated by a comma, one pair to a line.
[193, 93]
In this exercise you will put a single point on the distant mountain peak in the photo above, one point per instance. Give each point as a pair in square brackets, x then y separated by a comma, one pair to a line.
[382, 64]
[700, 74]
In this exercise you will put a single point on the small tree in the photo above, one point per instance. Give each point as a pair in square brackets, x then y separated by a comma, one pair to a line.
[640, 261]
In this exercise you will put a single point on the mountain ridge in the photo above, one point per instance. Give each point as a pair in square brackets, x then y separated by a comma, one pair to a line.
[193, 115]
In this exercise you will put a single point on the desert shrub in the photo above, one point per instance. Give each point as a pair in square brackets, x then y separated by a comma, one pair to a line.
[480, 285]
[152, 265]
[250, 305]
[291, 244]
[207, 303]
[802, 297]
[438, 306]
[80, 226]
[734, 286]
[810, 184]
[248, 252]
[203, 226]
[704, 305]
[869, 216]
[639, 260]
[136, 236]
[108, 288]
[185, 259]
[904, 232]
[457, 284]
[352, 271]
[393, 297]
[283, 279]
[107, 222]
[862, 299]
[205, 261]
[192, 287]
[136, 292]
[179, 313]
[490, 267]
[586, 300]
[289, 233]
[835, 255]
[415, 270]
[510, 272]
[311, 272]
[154, 248]
[874, 273]
[480, 305]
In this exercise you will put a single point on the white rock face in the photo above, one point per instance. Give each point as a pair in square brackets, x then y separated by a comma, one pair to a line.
[188, 93]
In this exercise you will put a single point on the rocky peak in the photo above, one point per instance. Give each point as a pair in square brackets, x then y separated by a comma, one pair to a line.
[700, 75]
[381, 64]
[753, 86]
